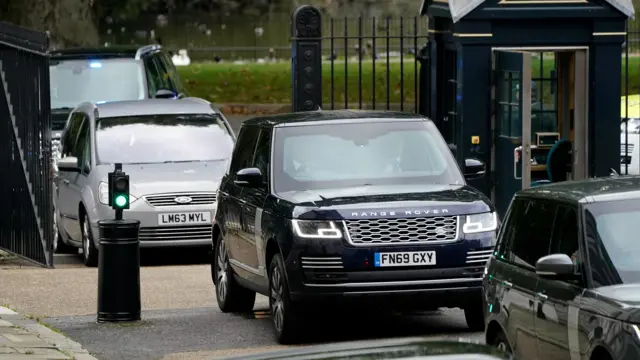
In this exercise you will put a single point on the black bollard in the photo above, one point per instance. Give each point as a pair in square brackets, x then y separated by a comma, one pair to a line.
[119, 271]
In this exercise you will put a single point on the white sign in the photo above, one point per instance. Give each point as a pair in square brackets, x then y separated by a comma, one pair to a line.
[418, 258]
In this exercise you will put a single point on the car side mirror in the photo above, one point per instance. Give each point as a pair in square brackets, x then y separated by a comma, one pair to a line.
[69, 163]
[555, 266]
[248, 177]
[474, 169]
[165, 94]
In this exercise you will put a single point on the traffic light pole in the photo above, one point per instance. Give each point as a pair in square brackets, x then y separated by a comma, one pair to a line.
[119, 257]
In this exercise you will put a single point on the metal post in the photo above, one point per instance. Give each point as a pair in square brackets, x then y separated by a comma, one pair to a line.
[119, 271]
[306, 58]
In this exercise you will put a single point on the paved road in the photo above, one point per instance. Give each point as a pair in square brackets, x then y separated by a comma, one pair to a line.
[181, 320]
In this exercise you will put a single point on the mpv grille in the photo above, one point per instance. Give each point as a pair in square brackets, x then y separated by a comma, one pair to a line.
[160, 200]
[171, 233]
[402, 231]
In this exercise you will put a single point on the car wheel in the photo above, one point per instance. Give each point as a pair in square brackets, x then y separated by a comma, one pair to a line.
[89, 251]
[230, 295]
[474, 316]
[500, 341]
[59, 247]
[285, 315]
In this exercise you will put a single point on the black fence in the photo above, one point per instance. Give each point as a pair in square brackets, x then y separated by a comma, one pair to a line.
[358, 63]
[26, 204]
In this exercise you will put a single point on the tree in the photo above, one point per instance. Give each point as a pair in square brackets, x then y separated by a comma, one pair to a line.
[69, 22]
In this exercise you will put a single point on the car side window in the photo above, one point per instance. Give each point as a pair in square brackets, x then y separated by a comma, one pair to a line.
[565, 238]
[532, 232]
[80, 149]
[243, 152]
[174, 77]
[163, 73]
[262, 157]
[509, 228]
[71, 135]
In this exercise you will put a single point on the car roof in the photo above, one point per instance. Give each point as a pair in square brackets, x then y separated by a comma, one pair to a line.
[152, 107]
[101, 52]
[324, 116]
[610, 188]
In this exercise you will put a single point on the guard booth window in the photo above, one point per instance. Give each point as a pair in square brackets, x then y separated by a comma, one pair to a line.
[544, 113]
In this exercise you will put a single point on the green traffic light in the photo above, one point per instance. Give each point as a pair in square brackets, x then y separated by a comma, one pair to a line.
[121, 201]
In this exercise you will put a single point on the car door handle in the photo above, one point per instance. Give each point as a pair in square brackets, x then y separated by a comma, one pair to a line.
[65, 181]
[507, 284]
[542, 296]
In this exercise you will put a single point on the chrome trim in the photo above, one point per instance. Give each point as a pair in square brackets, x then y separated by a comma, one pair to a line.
[146, 49]
[244, 267]
[398, 283]
[425, 242]
[168, 199]
[316, 262]
[479, 256]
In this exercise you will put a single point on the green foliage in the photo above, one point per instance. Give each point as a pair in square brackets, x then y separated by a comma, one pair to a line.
[271, 83]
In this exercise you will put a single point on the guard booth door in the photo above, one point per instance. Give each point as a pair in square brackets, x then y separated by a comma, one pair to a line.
[511, 169]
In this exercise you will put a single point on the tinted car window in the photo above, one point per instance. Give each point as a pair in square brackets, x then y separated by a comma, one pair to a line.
[162, 138]
[613, 248]
[76, 81]
[375, 153]
[80, 150]
[507, 232]
[565, 233]
[243, 154]
[532, 232]
[71, 135]
[171, 71]
[263, 149]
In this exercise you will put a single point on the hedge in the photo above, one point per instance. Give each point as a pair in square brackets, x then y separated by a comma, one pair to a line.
[271, 83]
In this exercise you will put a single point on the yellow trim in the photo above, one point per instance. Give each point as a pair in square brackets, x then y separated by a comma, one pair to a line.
[473, 35]
[622, 33]
[437, 31]
[442, 1]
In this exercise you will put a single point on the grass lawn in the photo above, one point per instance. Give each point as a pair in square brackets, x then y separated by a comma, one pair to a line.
[271, 83]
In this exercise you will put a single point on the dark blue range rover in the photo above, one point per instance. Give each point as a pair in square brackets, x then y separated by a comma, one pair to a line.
[329, 206]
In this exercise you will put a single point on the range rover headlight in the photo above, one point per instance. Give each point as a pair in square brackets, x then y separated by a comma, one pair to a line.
[103, 194]
[314, 229]
[477, 223]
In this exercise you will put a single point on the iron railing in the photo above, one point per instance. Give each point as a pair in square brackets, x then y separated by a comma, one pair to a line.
[25, 185]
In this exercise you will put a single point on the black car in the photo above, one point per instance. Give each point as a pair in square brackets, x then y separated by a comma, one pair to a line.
[564, 281]
[325, 206]
[403, 348]
[95, 75]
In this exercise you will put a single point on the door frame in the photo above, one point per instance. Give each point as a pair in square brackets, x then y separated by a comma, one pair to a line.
[581, 113]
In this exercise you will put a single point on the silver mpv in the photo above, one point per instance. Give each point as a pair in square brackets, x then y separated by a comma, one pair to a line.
[175, 152]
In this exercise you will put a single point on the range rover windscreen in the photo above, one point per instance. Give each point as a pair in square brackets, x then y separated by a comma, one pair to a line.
[342, 155]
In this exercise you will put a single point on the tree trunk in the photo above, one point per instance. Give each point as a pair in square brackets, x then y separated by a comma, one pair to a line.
[69, 22]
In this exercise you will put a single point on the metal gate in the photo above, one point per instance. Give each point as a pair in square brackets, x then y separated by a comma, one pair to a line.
[358, 63]
[25, 184]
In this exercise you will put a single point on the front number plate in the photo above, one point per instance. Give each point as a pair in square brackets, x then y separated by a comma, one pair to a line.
[418, 258]
[190, 218]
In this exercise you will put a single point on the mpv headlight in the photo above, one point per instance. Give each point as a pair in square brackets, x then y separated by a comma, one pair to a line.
[103, 194]
[477, 223]
[313, 229]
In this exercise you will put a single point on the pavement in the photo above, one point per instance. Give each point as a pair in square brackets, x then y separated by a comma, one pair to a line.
[25, 338]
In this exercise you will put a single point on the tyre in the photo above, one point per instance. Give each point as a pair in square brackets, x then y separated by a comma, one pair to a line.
[89, 250]
[474, 316]
[286, 315]
[500, 341]
[230, 295]
[59, 247]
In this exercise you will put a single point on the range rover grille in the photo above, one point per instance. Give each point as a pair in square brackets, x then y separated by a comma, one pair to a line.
[478, 257]
[171, 233]
[160, 200]
[625, 147]
[321, 263]
[402, 231]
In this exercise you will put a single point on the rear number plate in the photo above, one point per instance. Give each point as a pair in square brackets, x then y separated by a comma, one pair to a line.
[418, 258]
